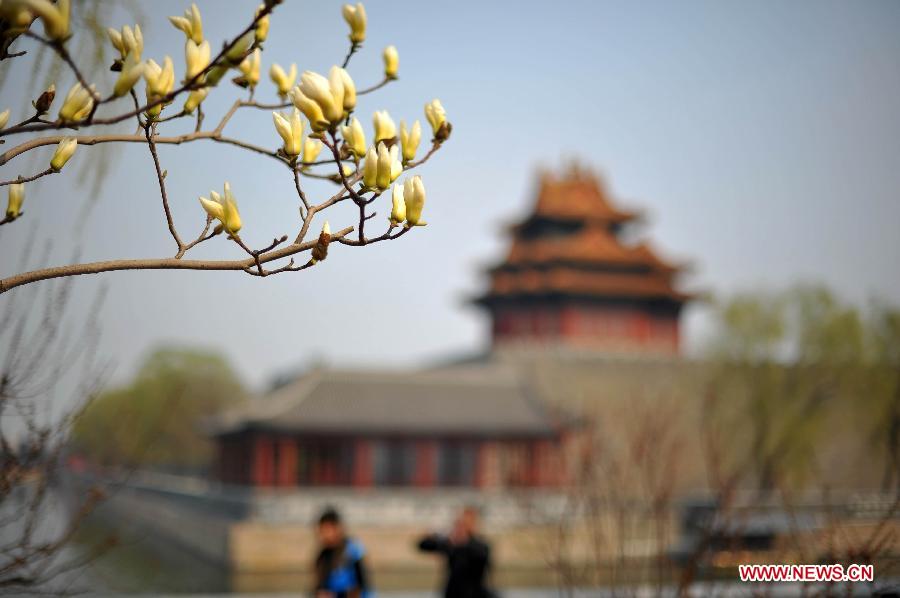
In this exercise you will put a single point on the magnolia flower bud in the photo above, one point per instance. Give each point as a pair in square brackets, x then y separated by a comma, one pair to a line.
[311, 149]
[320, 250]
[349, 89]
[384, 126]
[355, 137]
[239, 50]
[128, 41]
[42, 104]
[321, 99]
[132, 70]
[414, 197]
[291, 131]
[383, 180]
[391, 62]
[309, 108]
[224, 209]
[4, 118]
[232, 219]
[63, 152]
[283, 81]
[356, 18]
[398, 206]
[194, 99]
[409, 140]
[77, 105]
[250, 68]
[191, 24]
[396, 166]
[196, 57]
[437, 118]
[16, 15]
[215, 74]
[213, 206]
[370, 169]
[14, 203]
[262, 25]
[54, 16]
[160, 81]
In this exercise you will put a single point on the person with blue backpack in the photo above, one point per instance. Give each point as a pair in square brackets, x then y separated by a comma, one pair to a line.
[340, 569]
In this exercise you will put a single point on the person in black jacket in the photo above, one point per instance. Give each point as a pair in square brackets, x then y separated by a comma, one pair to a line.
[468, 557]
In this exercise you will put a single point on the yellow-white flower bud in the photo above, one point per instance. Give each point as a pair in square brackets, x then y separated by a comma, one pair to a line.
[160, 81]
[16, 14]
[391, 62]
[15, 199]
[191, 24]
[436, 115]
[356, 18]
[283, 81]
[231, 217]
[355, 137]
[128, 41]
[54, 16]
[262, 25]
[370, 168]
[64, 151]
[349, 88]
[291, 131]
[196, 58]
[4, 118]
[250, 67]
[384, 126]
[398, 206]
[77, 105]
[326, 229]
[224, 209]
[396, 166]
[237, 52]
[194, 99]
[213, 205]
[309, 108]
[414, 197]
[385, 165]
[409, 140]
[327, 94]
[132, 70]
[311, 149]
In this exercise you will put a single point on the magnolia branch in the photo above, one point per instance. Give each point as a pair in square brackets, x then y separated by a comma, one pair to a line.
[222, 210]
[159, 264]
[191, 84]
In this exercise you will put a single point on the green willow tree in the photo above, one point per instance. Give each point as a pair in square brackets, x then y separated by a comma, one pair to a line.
[156, 420]
[797, 371]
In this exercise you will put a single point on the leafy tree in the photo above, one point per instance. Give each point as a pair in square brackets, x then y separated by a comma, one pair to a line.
[155, 421]
[786, 363]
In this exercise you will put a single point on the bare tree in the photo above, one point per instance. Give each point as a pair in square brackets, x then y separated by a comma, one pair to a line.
[46, 356]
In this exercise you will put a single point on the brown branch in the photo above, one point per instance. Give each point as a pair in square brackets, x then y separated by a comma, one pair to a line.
[376, 87]
[135, 138]
[28, 179]
[189, 85]
[149, 131]
[157, 264]
[353, 48]
[60, 49]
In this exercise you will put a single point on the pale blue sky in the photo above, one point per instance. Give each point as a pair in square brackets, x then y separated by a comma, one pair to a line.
[763, 138]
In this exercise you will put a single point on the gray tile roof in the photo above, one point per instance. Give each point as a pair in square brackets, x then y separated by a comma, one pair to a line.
[483, 401]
